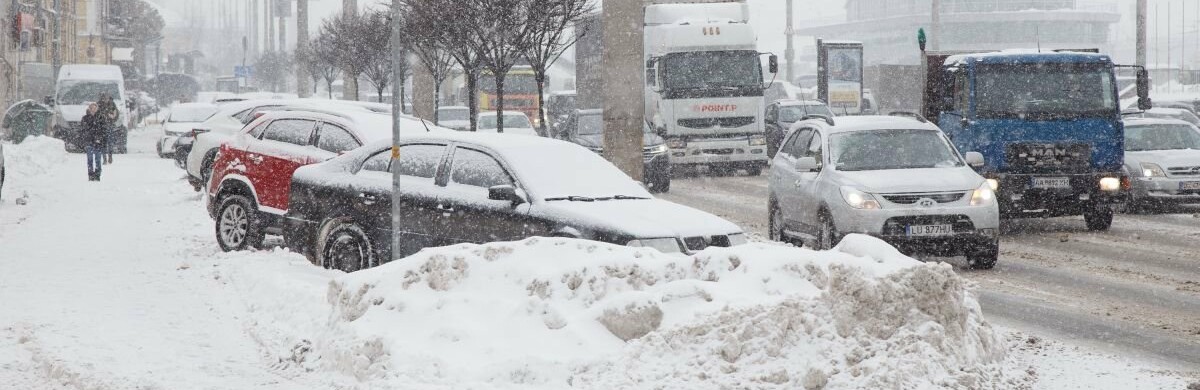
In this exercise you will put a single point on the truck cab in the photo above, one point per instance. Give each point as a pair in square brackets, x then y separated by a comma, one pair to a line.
[704, 84]
[1049, 127]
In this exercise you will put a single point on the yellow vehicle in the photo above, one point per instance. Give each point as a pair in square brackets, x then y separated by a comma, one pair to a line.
[520, 92]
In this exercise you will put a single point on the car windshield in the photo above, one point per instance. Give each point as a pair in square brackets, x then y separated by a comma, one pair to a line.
[192, 113]
[78, 92]
[712, 70]
[590, 124]
[795, 113]
[510, 121]
[892, 149]
[1161, 137]
[1044, 91]
[453, 114]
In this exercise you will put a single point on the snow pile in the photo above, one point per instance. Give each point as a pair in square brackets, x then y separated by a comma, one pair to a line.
[35, 156]
[548, 313]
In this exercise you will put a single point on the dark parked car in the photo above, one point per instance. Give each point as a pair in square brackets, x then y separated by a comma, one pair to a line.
[478, 188]
[782, 114]
[586, 128]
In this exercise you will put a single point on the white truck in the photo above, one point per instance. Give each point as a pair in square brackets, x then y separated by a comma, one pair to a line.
[81, 84]
[704, 84]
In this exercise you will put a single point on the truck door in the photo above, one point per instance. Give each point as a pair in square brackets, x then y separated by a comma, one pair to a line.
[953, 120]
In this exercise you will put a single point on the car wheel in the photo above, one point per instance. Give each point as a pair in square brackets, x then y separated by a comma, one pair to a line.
[660, 182]
[347, 248]
[827, 237]
[1099, 218]
[984, 258]
[238, 226]
[775, 223]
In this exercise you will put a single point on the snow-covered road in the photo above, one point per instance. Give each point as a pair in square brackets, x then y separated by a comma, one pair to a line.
[1134, 289]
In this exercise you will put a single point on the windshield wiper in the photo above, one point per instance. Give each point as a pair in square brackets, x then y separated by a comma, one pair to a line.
[572, 198]
[622, 197]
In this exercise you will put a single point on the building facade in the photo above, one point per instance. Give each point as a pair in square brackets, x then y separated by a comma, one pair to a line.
[27, 46]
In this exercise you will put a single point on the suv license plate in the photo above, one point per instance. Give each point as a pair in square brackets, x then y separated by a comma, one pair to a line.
[1052, 183]
[929, 230]
[1189, 185]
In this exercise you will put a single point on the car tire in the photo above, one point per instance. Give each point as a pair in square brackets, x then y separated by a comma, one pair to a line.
[775, 223]
[346, 247]
[659, 183]
[238, 225]
[984, 258]
[827, 236]
[1099, 218]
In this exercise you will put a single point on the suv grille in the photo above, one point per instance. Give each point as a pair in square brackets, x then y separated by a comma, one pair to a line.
[1183, 171]
[705, 123]
[1049, 158]
[940, 197]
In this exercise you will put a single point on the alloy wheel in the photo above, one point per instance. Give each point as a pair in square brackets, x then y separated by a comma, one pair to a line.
[235, 224]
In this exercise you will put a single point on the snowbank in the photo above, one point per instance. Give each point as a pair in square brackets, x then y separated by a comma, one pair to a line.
[35, 156]
[552, 313]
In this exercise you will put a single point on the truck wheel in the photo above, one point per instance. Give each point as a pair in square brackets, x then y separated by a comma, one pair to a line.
[1099, 218]
[984, 258]
[238, 225]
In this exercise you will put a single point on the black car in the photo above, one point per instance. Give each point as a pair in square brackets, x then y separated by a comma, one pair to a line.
[781, 114]
[586, 128]
[478, 188]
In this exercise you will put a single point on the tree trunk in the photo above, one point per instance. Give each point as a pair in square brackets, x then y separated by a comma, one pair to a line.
[379, 90]
[350, 87]
[402, 98]
[540, 77]
[437, 101]
[473, 98]
[500, 102]
[329, 84]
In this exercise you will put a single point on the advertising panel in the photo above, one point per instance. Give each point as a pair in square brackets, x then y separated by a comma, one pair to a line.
[840, 76]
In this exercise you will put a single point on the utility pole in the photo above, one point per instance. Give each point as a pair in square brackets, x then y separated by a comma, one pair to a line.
[286, 4]
[790, 53]
[1141, 32]
[302, 76]
[624, 93]
[397, 76]
[350, 84]
[270, 10]
[55, 48]
[935, 25]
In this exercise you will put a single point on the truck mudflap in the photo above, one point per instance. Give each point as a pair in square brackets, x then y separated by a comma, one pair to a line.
[1052, 195]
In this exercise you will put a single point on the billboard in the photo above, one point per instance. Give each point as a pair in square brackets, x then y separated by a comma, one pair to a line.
[840, 76]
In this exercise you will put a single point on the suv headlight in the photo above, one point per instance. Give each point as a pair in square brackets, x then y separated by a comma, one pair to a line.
[758, 140]
[1152, 170]
[657, 149]
[983, 196]
[676, 143]
[858, 199]
[664, 245]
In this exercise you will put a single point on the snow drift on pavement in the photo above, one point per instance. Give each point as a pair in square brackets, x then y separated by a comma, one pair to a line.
[35, 156]
[547, 313]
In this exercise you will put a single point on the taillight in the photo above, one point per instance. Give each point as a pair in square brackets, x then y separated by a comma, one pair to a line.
[1126, 183]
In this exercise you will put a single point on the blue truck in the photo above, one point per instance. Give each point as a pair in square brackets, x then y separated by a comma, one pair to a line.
[1049, 127]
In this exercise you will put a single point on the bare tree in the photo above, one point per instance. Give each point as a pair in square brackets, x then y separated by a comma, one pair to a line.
[351, 54]
[426, 37]
[376, 32]
[500, 34]
[455, 38]
[323, 62]
[272, 69]
[549, 39]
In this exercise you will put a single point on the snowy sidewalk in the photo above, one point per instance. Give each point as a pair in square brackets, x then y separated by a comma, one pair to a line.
[93, 293]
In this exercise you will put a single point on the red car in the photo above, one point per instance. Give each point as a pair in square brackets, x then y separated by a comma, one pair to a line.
[251, 178]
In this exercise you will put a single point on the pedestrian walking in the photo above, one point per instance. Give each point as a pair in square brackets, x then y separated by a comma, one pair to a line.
[109, 113]
[95, 140]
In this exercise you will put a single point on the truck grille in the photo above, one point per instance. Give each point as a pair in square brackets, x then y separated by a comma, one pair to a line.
[912, 198]
[1184, 171]
[705, 123]
[1049, 158]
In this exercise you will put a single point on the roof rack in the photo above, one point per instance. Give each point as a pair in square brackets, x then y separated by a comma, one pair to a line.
[825, 118]
[909, 114]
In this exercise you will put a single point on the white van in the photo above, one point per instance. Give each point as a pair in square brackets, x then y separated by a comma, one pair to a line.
[79, 85]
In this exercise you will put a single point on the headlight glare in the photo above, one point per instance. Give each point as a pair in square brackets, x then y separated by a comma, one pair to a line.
[658, 149]
[983, 196]
[1152, 170]
[758, 140]
[1110, 184]
[858, 199]
[993, 184]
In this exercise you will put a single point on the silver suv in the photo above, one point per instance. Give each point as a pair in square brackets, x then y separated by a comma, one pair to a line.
[894, 177]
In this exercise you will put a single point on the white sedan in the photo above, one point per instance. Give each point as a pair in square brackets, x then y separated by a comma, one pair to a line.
[182, 119]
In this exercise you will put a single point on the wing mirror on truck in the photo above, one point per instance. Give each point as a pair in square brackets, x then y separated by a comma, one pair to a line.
[1143, 89]
[773, 64]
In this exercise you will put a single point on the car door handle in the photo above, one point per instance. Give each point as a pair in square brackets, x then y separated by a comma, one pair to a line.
[368, 199]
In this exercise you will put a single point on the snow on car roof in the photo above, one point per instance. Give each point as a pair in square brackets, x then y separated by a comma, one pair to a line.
[1027, 56]
[1154, 121]
[874, 122]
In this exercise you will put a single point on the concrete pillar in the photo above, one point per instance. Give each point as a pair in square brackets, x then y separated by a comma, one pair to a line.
[303, 80]
[1141, 32]
[624, 88]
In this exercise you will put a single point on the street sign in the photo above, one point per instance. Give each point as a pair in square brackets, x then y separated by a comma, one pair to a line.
[243, 71]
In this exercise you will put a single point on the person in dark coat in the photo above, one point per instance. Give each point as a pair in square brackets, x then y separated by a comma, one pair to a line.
[109, 113]
[94, 135]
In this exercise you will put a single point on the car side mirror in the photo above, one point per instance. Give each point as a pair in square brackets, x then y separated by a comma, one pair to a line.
[505, 193]
[807, 164]
[975, 159]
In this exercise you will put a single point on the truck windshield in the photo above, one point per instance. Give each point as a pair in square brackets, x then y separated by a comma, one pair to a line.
[514, 84]
[1161, 137]
[892, 149]
[712, 73]
[454, 114]
[78, 92]
[1044, 91]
